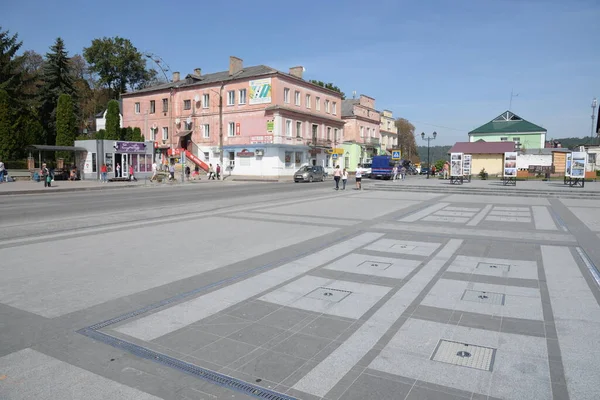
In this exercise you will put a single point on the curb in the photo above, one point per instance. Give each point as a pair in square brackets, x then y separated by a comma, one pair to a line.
[17, 192]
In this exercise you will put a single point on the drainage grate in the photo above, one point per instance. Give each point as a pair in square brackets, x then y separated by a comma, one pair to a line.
[464, 355]
[479, 296]
[208, 375]
[329, 294]
[375, 264]
[493, 267]
[406, 247]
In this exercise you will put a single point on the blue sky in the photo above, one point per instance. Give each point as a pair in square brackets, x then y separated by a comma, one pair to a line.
[447, 66]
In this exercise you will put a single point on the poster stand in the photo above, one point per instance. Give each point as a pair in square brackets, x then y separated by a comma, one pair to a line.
[456, 168]
[509, 174]
[509, 181]
[467, 167]
[575, 171]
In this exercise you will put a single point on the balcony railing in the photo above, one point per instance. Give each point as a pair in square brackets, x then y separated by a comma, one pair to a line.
[373, 141]
[317, 142]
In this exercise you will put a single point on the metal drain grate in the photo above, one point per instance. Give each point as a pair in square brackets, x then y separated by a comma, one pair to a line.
[479, 296]
[375, 264]
[208, 375]
[329, 294]
[493, 267]
[401, 246]
[464, 355]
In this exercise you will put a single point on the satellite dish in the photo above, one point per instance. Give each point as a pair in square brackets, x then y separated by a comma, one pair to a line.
[177, 121]
[197, 98]
[189, 120]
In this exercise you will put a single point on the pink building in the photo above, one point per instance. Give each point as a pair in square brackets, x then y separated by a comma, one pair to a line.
[362, 127]
[270, 122]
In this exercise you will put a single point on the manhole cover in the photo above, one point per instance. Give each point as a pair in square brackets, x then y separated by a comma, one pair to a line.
[478, 296]
[375, 265]
[493, 267]
[329, 294]
[401, 246]
[464, 355]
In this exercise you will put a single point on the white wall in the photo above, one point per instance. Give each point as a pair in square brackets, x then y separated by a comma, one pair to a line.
[525, 160]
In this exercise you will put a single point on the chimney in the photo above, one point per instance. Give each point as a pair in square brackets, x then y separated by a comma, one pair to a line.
[197, 72]
[235, 65]
[176, 76]
[297, 71]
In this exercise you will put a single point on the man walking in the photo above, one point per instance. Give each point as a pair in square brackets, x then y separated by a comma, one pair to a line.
[358, 177]
[46, 176]
[218, 172]
[131, 174]
[2, 172]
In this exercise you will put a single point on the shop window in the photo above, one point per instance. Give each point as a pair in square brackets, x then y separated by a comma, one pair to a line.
[298, 159]
[288, 159]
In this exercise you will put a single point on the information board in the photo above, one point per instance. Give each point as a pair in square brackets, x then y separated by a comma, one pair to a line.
[456, 164]
[510, 165]
[578, 163]
[467, 164]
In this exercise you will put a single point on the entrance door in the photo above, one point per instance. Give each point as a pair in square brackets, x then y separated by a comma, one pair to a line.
[125, 165]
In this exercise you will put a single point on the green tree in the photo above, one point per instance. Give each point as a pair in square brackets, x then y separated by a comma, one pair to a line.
[8, 140]
[11, 65]
[56, 80]
[113, 124]
[406, 140]
[137, 135]
[118, 64]
[329, 86]
[66, 129]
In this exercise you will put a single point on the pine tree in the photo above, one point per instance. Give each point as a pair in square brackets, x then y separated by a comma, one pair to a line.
[113, 124]
[57, 79]
[8, 140]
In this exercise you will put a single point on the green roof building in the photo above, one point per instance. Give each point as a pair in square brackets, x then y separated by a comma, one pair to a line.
[508, 127]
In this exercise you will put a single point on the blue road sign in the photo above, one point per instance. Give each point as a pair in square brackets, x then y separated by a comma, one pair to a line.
[396, 155]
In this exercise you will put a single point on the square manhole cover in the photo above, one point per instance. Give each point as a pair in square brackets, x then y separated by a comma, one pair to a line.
[329, 294]
[401, 246]
[493, 267]
[375, 264]
[479, 296]
[464, 355]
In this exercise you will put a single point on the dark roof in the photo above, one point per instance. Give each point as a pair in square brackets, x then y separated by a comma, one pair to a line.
[44, 147]
[507, 122]
[348, 107]
[481, 147]
[223, 76]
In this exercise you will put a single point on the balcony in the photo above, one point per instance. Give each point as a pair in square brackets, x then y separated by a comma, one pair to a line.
[373, 141]
[317, 142]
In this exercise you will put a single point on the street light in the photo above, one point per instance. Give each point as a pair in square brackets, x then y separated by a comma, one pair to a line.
[429, 139]
[594, 105]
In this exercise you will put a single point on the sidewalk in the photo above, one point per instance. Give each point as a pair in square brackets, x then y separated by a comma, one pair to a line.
[31, 187]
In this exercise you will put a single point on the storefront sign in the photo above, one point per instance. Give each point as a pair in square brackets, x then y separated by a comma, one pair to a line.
[237, 129]
[334, 151]
[260, 91]
[245, 153]
[270, 126]
[261, 139]
[130, 147]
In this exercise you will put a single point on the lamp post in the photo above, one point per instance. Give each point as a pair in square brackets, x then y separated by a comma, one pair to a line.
[594, 105]
[429, 139]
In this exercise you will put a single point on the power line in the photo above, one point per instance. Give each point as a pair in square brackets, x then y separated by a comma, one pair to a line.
[440, 126]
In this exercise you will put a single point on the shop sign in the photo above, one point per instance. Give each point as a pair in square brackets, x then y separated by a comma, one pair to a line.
[130, 147]
[237, 129]
[245, 153]
[270, 126]
[335, 151]
[315, 151]
[261, 139]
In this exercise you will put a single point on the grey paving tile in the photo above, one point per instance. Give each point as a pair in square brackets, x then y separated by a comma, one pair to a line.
[494, 280]
[375, 387]
[272, 366]
[346, 382]
[254, 310]
[557, 373]
[302, 346]
[392, 377]
[223, 325]
[554, 352]
[299, 373]
[224, 351]
[523, 327]
[326, 327]
[443, 389]
[256, 334]
[301, 395]
[480, 321]
[286, 318]
[559, 392]
[187, 340]
[421, 393]
[432, 314]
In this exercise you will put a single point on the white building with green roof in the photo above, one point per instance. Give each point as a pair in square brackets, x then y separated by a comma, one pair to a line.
[508, 127]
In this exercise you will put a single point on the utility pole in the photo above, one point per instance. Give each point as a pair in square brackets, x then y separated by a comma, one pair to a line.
[594, 105]
[221, 125]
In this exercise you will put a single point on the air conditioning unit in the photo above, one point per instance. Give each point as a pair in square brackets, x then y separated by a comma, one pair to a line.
[259, 152]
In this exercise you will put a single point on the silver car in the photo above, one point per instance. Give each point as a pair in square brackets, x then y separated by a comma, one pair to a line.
[310, 173]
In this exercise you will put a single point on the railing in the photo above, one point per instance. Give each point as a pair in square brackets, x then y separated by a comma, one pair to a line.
[373, 140]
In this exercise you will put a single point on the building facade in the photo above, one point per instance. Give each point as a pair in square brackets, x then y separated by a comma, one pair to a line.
[362, 135]
[508, 127]
[485, 155]
[270, 122]
[389, 131]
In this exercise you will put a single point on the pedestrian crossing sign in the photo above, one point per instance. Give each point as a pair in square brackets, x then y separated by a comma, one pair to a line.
[395, 154]
[334, 156]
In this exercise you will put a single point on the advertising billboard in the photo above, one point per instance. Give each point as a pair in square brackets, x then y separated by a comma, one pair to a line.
[260, 91]
[456, 164]
[510, 165]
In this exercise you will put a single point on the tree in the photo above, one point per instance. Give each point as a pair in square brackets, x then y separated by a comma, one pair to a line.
[329, 86]
[11, 65]
[406, 140]
[8, 142]
[118, 64]
[66, 129]
[137, 135]
[57, 80]
[113, 124]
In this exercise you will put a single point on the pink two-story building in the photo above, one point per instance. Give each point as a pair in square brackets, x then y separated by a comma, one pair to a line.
[259, 121]
[361, 130]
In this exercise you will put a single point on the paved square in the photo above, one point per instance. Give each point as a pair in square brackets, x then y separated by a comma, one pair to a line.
[375, 265]
[407, 247]
[495, 267]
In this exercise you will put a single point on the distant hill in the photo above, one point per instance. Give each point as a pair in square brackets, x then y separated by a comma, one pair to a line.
[435, 153]
[571, 142]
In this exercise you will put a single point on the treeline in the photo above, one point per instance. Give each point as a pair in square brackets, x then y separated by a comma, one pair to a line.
[54, 98]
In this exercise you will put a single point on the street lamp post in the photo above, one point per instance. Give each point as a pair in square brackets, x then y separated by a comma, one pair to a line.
[429, 139]
[594, 105]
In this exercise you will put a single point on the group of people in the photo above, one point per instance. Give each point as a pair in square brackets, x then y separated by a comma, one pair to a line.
[342, 175]
[399, 173]
[104, 173]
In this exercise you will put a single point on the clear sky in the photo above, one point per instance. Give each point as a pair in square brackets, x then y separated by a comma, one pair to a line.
[445, 65]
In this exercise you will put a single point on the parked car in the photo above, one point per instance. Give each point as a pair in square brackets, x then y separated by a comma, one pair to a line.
[310, 173]
[366, 168]
[424, 170]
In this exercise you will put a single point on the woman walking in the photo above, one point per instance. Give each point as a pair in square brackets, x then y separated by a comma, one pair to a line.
[337, 174]
[358, 177]
[344, 178]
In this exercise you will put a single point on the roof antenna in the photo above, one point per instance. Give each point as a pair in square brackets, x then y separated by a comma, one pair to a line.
[354, 94]
[511, 97]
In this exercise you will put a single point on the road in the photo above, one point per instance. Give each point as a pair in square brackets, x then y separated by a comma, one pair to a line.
[296, 291]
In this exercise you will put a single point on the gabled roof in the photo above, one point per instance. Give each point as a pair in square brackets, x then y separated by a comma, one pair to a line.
[507, 122]
[481, 147]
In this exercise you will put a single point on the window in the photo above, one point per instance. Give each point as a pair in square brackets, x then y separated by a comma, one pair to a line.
[362, 131]
[165, 105]
[232, 158]
[368, 132]
[187, 125]
[165, 133]
[288, 159]
[335, 135]
[318, 104]
[231, 129]
[297, 98]
[152, 106]
[242, 96]
[231, 97]
[389, 126]
[187, 104]
[503, 139]
[205, 100]
[327, 106]
[298, 159]
[206, 130]
[206, 156]
[298, 129]
[315, 132]
[153, 132]
[137, 108]
[286, 95]
[329, 133]
[334, 108]
[288, 128]
[516, 139]
[308, 101]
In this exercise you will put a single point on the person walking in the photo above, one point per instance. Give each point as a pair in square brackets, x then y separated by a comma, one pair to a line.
[188, 171]
[445, 170]
[358, 177]
[433, 171]
[337, 175]
[344, 178]
[403, 173]
[154, 171]
[211, 172]
[395, 173]
[46, 176]
[172, 172]
[2, 171]
[118, 170]
[103, 172]
[218, 172]
[132, 174]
